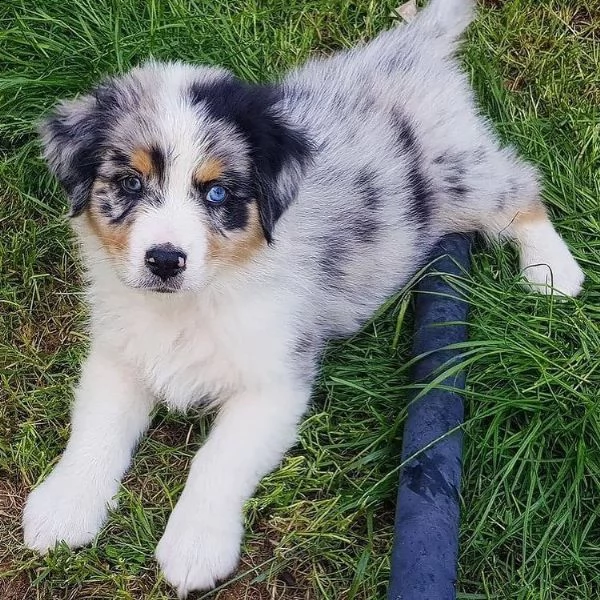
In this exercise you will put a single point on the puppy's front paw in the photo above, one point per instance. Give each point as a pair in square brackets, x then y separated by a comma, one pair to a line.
[63, 509]
[199, 546]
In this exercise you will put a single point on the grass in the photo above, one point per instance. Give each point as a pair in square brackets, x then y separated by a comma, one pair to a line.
[320, 527]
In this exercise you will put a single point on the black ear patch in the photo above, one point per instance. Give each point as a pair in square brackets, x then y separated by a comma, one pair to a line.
[72, 138]
[279, 152]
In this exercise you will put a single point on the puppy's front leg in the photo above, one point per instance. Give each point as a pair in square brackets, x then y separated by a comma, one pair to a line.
[110, 412]
[201, 543]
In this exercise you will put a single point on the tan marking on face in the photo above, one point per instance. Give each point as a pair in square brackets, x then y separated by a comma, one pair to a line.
[210, 170]
[114, 237]
[141, 161]
[238, 247]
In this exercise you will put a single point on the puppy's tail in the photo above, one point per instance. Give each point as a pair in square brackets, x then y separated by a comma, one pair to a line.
[445, 20]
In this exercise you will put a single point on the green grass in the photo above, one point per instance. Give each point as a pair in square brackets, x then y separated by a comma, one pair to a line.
[320, 527]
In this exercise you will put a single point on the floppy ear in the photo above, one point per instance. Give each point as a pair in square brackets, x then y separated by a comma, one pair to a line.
[280, 155]
[71, 138]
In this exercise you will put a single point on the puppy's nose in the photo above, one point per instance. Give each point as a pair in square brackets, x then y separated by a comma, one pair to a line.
[165, 261]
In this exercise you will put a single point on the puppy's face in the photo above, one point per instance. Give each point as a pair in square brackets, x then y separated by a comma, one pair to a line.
[175, 172]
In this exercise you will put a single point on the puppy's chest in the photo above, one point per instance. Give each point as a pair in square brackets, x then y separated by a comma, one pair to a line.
[189, 366]
[189, 357]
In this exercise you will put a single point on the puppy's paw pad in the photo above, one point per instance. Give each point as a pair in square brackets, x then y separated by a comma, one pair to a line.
[62, 510]
[196, 552]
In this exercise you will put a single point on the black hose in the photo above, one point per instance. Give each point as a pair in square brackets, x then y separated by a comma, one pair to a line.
[425, 552]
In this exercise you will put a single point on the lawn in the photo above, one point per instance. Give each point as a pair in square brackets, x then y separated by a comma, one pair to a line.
[320, 527]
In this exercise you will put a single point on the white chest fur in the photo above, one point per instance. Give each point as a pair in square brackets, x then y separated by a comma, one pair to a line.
[188, 349]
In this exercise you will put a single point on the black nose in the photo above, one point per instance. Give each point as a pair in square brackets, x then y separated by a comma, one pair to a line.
[165, 261]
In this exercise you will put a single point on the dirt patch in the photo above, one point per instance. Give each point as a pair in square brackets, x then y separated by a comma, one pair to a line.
[585, 22]
[254, 561]
[13, 586]
[515, 81]
[17, 588]
[173, 434]
[245, 591]
[12, 499]
[287, 584]
[581, 19]
[492, 3]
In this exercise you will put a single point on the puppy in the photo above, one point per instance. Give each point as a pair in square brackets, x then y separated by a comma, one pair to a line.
[228, 230]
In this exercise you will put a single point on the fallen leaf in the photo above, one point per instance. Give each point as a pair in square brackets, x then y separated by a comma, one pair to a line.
[407, 11]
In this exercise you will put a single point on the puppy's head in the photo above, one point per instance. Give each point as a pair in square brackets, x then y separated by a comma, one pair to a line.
[175, 172]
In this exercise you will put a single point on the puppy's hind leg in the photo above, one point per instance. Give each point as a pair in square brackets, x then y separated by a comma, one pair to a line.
[491, 190]
[545, 260]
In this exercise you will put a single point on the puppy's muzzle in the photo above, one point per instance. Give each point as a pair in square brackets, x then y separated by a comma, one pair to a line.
[165, 261]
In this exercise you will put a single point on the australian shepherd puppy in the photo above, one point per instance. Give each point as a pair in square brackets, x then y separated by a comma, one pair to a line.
[228, 230]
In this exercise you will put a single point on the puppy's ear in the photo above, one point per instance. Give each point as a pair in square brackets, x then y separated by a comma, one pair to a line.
[71, 139]
[280, 156]
[279, 151]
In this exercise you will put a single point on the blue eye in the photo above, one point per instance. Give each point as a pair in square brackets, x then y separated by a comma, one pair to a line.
[217, 194]
[133, 185]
